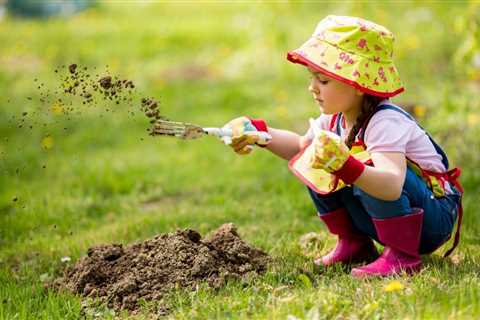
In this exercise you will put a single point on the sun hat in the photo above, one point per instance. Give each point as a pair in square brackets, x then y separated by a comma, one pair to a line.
[352, 50]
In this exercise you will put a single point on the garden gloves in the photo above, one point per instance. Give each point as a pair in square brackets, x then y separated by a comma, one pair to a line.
[247, 132]
[329, 152]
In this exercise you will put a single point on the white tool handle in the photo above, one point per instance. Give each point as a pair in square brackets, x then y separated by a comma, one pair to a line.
[226, 134]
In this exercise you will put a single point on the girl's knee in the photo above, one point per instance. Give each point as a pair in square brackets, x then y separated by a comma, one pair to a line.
[378, 208]
[331, 202]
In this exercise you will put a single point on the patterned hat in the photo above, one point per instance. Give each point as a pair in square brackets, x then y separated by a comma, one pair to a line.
[355, 51]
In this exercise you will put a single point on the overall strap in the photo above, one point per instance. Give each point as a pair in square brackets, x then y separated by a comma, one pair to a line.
[335, 124]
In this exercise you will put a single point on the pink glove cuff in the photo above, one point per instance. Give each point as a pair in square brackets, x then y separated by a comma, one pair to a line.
[350, 171]
[260, 124]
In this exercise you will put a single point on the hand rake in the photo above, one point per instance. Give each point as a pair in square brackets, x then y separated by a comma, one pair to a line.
[189, 131]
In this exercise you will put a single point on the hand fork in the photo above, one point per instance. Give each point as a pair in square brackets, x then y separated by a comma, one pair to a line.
[189, 131]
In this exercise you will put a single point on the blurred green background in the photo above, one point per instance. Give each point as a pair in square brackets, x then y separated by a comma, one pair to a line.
[104, 179]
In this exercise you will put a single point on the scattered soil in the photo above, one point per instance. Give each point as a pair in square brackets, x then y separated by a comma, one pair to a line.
[82, 83]
[150, 109]
[96, 89]
[121, 276]
[78, 89]
[78, 85]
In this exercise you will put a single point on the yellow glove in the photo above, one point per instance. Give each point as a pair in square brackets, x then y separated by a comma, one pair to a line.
[331, 154]
[246, 134]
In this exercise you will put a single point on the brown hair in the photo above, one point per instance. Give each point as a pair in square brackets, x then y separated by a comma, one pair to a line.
[368, 106]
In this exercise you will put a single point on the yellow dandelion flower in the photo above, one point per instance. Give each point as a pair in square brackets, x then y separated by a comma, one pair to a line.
[394, 285]
[57, 108]
[224, 51]
[47, 142]
[419, 111]
[281, 96]
[474, 74]
[412, 42]
[473, 119]
[281, 111]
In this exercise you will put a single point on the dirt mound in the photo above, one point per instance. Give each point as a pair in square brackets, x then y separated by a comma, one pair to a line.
[121, 276]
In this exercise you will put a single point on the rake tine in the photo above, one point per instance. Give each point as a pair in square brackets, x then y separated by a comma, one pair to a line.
[168, 125]
[171, 123]
[154, 133]
[175, 133]
[166, 132]
[156, 127]
[160, 126]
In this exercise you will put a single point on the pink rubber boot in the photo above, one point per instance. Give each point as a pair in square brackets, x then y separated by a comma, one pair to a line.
[352, 246]
[401, 236]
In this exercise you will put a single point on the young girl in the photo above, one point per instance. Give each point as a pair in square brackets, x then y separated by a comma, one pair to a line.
[387, 179]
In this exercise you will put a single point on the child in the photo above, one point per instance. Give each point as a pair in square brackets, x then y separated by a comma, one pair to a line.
[401, 193]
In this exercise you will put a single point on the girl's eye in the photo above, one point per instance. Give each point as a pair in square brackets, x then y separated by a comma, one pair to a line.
[314, 76]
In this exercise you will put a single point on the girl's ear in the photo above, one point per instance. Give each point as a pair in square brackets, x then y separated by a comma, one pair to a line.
[359, 93]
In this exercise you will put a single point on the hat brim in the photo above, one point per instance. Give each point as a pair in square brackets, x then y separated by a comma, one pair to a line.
[303, 54]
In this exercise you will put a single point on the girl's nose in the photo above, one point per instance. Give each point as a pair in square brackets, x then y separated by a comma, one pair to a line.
[312, 87]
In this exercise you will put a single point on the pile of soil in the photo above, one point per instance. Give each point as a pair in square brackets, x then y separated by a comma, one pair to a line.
[120, 276]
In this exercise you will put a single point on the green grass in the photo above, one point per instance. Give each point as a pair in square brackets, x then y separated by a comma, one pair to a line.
[106, 181]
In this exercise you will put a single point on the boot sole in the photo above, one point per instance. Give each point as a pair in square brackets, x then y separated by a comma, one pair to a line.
[319, 262]
[359, 274]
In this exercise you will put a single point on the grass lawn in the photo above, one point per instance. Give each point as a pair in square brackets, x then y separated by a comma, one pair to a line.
[105, 180]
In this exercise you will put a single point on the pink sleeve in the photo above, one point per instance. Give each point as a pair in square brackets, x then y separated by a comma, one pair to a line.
[388, 131]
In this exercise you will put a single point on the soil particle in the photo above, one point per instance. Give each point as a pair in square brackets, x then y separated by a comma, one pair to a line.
[121, 276]
[106, 82]
[72, 68]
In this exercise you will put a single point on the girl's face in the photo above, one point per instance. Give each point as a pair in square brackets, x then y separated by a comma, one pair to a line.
[334, 96]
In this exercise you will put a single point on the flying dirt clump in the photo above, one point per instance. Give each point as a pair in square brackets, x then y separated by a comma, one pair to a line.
[150, 108]
[120, 276]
